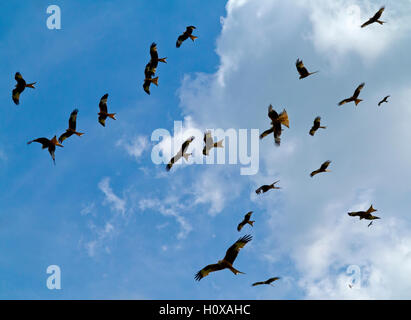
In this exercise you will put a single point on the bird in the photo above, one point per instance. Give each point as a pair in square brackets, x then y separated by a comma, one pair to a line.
[181, 153]
[269, 281]
[186, 34]
[72, 127]
[20, 86]
[228, 260]
[265, 188]
[383, 100]
[276, 121]
[102, 115]
[374, 18]
[149, 73]
[209, 143]
[323, 168]
[367, 215]
[354, 96]
[154, 56]
[245, 221]
[316, 126]
[50, 144]
[302, 70]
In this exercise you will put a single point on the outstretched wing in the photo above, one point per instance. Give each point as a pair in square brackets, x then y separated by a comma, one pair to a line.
[272, 114]
[325, 165]
[73, 119]
[65, 135]
[344, 101]
[16, 95]
[44, 142]
[272, 280]
[378, 14]
[258, 283]
[358, 90]
[174, 160]
[266, 132]
[233, 251]
[103, 103]
[206, 270]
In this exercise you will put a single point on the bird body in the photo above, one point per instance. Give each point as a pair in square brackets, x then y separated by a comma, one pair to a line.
[227, 262]
[374, 18]
[266, 187]
[383, 100]
[187, 34]
[151, 68]
[245, 221]
[323, 168]
[354, 97]
[181, 153]
[367, 215]
[316, 126]
[269, 281]
[209, 143]
[302, 70]
[20, 86]
[48, 144]
[72, 127]
[102, 115]
[276, 121]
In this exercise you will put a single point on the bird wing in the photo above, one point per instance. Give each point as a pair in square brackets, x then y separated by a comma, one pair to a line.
[272, 114]
[73, 119]
[64, 136]
[16, 95]
[272, 279]
[355, 214]
[267, 132]
[241, 225]
[325, 165]
[358, 90]
[248, 216]
[185, 145]
[369, 21]
[103, 103]
[259, 190]
[277, 133]
[302, 70]
[206, 270]
[233, 251]
[257, 283]
[378, 14]
[174, 160]
[44, 141]
[153, 52]
[344, 101]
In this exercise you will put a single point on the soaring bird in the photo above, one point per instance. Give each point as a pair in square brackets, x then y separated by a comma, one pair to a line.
[266, 187]
[187, 34]
[383, 100]
[209, 143]
[323, 168]
[72, 127]
[375, 18]
[181, 153]
[228, 260]
[148, 80]
[20, 86]
[302, 70]
[50, 144]
[367, 215]
[354, 96]
[316, 126]
[269, 281]
[102, 115]
[245, 221]
[276, 121]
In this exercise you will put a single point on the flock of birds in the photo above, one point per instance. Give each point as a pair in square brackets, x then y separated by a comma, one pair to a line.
[277, 121]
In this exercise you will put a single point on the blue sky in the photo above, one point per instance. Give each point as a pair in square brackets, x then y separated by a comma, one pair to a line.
[119, 227]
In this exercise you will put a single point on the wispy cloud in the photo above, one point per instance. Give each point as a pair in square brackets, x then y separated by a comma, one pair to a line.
[134, 147]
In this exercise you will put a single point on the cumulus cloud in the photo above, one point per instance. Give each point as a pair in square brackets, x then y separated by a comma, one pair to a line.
[134, 147]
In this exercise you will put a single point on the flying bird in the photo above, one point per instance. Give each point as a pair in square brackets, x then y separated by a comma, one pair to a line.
[20, 86]
[323, 168]
[316, 126]
[228, 260]
[49, 144]
[269, 281]
[187, 34]
[149, 73]
[154, 56]
[102, 115]
[265, 188]
[302, 70]
[383, 100]
[245, 221]
[209, 143]
[354, 96]
[181, 153]
[367, 215]
[375, 18]
[72, 127]
[276, 121]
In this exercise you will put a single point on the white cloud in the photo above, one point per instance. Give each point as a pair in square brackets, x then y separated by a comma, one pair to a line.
[116, 202]
[134, 147]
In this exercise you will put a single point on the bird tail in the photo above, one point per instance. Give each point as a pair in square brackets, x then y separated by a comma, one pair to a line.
[154, 80]
[371, 209]
[251, 223]
[193, 37]
[111, 115]
[283, 118]
[31, 85]
[186, 155]
[323, 127]
[381, 22]
[357, 101]
[314, 72]
[80, 133]
[219, 144]
[235, 271]
[163, 60]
